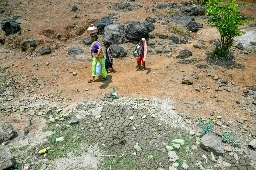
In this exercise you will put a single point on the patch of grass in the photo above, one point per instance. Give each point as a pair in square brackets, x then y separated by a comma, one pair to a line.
[5, 79]
[180, 162]
[59, 94]
[228, 137]
[206, 126]
[38, 164]
[178, 29]
[151, 155]
[119, 163]
[172, 12]
[49, 127]
[60, 149]
[24, 148]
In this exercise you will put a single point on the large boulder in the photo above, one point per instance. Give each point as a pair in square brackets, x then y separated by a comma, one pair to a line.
[193, 10]
[10, 26]
[6, 131]
[102, 23]
[184, 54]
[6, 159]
[45, 50]
[193, 26]
[136, 30]
[181, 20]
[114, 33]
[212, 143]
[118, 51]
[73, 51]
[252, 144]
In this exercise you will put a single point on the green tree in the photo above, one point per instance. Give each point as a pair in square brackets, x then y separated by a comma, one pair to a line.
[224, 15]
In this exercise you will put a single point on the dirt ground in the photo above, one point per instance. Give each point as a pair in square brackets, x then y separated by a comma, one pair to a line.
[63, 74]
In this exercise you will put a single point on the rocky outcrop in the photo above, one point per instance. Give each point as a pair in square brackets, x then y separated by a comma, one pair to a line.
[6, 131]
[134, 31]
[10, 26]
[114, 33]
[6, 159]
[211, 142]
[118, 51]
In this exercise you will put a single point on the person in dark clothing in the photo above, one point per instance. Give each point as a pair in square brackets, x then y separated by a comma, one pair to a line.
[109, 58]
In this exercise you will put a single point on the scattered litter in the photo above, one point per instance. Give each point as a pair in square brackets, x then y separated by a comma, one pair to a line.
[113, 93]
[43, 151]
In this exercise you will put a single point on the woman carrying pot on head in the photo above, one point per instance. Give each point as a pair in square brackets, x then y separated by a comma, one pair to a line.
[98, 59]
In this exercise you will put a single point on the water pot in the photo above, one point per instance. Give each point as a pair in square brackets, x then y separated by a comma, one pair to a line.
[98, 68]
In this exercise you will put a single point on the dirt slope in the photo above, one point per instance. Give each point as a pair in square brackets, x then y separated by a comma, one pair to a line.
[44, 21]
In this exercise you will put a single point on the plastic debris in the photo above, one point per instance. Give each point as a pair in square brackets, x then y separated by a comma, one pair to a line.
[43, 151]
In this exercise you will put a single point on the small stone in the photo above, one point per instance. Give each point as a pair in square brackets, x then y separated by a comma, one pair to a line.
[173, 157]
[28, 123]
[137, 147]
[74, 120]
[254, 134]
[26, 167]
[74, 73]
[215, 78]
[219, 123]
[131, 118]
[192, 133]
[172, 168]
[52, 120]
[175, 164]
[185, 165]
[194, 147]
[219, 117]
[252, 144]
[177, 146]
[39, 114]
[169, 148]
[179, 141]
[187, 82]
[226, 164]
[60, 139]
[227, 148]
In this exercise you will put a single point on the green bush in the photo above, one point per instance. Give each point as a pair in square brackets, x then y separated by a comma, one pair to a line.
[226, 18]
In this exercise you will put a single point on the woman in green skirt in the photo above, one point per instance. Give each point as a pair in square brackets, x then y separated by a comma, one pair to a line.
[98, 55]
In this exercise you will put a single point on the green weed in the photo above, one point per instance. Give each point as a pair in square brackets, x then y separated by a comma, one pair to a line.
[228, 137]
[206, 126]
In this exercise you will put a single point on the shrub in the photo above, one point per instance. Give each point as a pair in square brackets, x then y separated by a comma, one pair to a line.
[226, 18]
